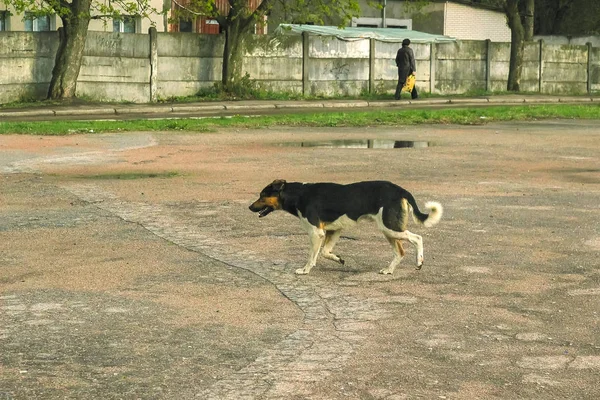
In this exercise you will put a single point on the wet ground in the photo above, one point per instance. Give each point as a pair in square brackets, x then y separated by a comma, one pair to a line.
[130, 267]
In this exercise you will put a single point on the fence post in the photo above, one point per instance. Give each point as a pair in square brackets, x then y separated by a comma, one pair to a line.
[589, 68]
[153, 64]
[305, 53]
[541, 67]
[371, 66]
[488, 65]
[432, 61]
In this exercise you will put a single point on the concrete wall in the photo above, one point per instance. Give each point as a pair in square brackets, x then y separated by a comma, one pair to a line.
[275, 63]
[142, 68]
[575, 40]
[116, 67]
[460, 66]
[187, 63]
[26, 62]
[564, 69]
[594, 71]
[338, 66]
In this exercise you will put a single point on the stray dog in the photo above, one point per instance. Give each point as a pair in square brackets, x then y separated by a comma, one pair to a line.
[324, 209]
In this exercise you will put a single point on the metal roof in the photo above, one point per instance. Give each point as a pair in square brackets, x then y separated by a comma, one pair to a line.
[352, 33]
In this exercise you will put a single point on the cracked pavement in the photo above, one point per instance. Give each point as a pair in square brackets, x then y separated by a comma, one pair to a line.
[131, 268]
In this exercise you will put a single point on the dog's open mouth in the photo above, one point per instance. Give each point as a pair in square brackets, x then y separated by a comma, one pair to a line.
[265, 211]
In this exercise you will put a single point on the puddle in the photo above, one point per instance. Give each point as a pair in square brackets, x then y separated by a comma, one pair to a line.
[362, 144]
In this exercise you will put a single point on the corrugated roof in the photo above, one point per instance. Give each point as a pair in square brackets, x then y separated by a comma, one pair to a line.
[351, 33]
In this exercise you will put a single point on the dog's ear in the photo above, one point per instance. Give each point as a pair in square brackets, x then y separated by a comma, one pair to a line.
[278, 184]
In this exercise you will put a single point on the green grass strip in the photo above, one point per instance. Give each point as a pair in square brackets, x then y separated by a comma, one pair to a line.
[385, 117]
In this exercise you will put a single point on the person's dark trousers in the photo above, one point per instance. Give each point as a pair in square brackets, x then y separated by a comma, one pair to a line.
[401, 81]
[398, 90]
[413, 94]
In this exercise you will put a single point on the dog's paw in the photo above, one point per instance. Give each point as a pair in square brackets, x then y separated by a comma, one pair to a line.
[302, 271]
[419, 261]
[386, 271]
[341, 261]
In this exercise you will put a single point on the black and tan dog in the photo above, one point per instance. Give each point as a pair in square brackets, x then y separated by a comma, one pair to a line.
[324, 209]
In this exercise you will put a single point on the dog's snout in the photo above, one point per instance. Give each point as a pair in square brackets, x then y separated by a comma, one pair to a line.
[254, 207]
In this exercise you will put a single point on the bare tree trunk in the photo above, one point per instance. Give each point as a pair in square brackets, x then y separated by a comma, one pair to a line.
[238, 24]
[528, 19]
[232, 55]
[517, 45]
[69, 56]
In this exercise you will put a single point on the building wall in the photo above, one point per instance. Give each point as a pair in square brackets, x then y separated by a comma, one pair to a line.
[470, 23]
[122, 67]
[449, 18]
[430, 19]
[16, 23]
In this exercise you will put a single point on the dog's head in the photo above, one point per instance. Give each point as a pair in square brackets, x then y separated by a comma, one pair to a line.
[269, 199]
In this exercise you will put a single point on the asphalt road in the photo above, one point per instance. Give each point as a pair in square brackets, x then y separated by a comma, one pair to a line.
[131, 268]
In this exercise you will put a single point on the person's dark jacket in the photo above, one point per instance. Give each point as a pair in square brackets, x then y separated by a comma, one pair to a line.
[405, 60]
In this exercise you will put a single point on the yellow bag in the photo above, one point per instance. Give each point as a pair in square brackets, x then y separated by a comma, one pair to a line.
[409, 84]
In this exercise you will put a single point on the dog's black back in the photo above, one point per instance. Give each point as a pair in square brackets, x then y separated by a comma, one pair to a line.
[329, 201]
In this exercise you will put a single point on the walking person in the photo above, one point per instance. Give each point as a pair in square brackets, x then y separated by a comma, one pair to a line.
[405, 61]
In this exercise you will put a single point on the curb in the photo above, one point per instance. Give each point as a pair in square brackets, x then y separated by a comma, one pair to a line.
[241, 106]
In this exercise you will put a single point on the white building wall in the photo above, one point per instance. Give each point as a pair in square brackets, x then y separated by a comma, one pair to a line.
[470, 23]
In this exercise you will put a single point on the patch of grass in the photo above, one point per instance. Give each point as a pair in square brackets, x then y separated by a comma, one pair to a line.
[131, 175]
[384, 117]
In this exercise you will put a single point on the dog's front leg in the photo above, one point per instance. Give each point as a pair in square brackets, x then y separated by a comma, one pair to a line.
[331, 238]
[316, 237]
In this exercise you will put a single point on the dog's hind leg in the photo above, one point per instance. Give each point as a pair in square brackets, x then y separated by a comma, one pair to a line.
[331, 238]
[392, 222]
[417, 241]
[316, 237]
[398, 255]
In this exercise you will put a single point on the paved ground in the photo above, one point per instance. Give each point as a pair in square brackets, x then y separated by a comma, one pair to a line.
[130, 267]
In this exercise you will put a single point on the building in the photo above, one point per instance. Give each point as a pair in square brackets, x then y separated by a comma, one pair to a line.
[460, 19]
[202, 24]
[11, 21]
[170, 22]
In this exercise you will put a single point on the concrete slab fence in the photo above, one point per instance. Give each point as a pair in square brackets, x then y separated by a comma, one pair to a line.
[148, 67]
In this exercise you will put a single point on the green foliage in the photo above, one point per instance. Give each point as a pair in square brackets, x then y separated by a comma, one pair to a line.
[94, 9]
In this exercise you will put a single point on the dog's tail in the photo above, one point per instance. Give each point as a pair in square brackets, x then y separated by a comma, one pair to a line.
[435, 211]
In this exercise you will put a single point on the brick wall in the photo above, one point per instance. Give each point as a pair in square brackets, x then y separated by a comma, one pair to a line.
[469, 23]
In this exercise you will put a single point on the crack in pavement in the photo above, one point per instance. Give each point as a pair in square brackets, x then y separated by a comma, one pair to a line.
[335, 323]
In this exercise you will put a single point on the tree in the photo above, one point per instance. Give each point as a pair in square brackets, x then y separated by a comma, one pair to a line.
[75, 16]
[237, 19]
[567, 17]
[519, 16]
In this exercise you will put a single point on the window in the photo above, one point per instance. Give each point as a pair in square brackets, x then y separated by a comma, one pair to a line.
[125, 24]
[185, 26]
[3, 20]
[36, 24]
